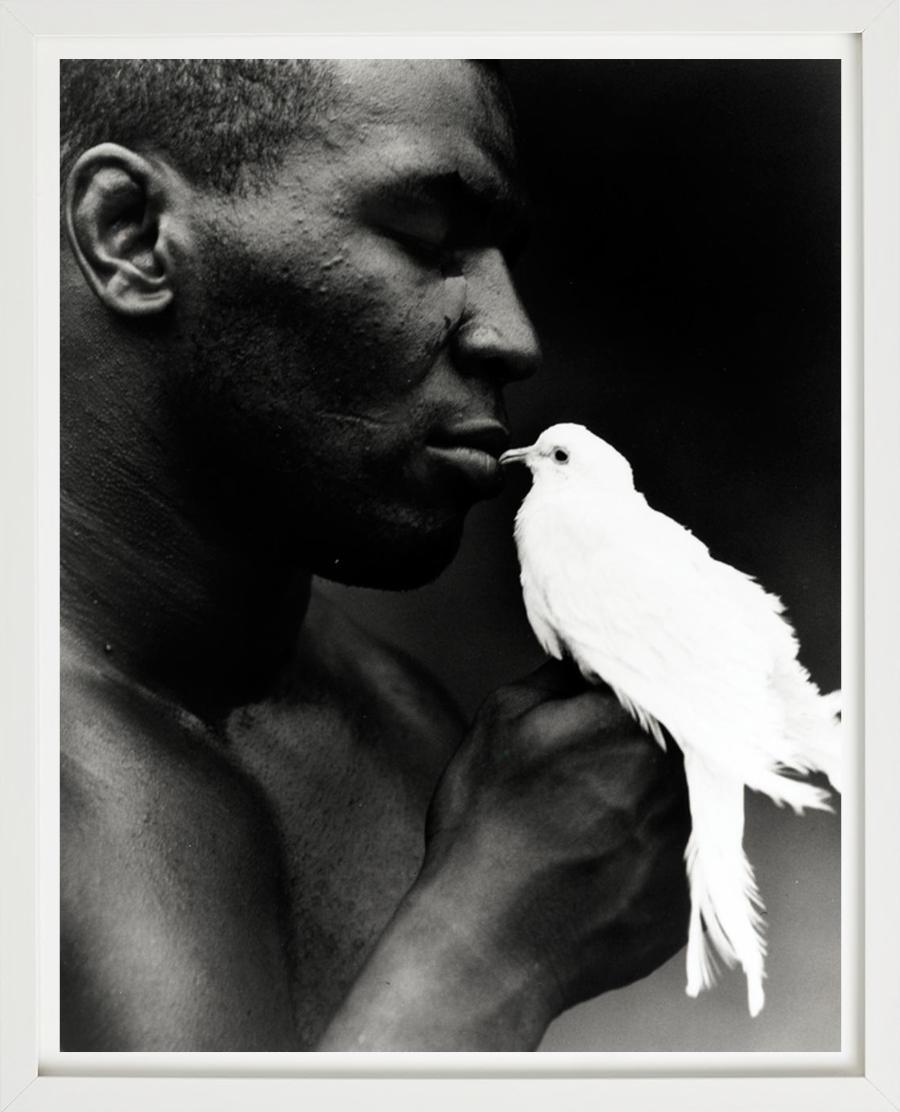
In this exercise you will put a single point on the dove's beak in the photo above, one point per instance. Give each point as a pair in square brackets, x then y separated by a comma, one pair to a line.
[516, 455]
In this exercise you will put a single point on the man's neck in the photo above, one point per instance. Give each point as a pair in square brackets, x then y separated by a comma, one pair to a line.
[155, 587]
[175, 613]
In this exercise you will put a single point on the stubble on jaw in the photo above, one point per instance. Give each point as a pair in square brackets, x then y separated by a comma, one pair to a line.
[298, 369]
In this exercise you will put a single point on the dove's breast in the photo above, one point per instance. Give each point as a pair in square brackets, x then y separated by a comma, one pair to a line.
[636, 600]
[553, 544]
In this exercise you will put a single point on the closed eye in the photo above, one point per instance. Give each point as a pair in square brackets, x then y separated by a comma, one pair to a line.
[430, 252]
[440, 217]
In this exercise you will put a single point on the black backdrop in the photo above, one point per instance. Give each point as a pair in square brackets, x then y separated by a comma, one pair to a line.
[684, 277]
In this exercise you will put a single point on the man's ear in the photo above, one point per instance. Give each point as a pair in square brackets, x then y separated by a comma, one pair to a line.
[119, 219]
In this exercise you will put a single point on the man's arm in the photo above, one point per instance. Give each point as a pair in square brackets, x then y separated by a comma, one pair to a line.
[553, 872]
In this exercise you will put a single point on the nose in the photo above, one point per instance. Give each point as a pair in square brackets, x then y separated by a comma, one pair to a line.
[496, 337]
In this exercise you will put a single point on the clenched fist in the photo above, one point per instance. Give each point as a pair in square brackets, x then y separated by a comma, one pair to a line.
[553, 872]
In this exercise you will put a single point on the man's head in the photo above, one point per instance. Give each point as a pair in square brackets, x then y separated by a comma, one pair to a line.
[224, 124]
[328, 306]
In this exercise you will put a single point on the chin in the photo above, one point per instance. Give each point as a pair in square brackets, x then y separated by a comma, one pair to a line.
[393, 564]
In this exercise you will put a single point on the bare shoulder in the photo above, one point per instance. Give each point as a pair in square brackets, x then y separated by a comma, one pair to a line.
[127, 756]
[169, 881]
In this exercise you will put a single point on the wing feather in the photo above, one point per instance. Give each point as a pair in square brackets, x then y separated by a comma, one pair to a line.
[690, 641]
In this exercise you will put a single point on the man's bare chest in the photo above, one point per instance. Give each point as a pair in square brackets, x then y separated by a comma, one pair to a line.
[348, 783]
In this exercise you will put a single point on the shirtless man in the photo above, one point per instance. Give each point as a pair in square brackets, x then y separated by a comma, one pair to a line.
[287, 320]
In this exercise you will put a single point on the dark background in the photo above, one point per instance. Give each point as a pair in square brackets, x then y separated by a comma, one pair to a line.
[684, 278]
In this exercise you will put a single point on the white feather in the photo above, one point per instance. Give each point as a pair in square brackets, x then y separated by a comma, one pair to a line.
[688, 644]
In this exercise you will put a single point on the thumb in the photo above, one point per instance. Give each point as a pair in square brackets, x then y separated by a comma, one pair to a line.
[554, 679]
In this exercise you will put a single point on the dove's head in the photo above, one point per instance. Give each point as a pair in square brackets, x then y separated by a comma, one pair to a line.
[571, 453]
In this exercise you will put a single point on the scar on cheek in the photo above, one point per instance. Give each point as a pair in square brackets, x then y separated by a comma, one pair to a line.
[456, 290]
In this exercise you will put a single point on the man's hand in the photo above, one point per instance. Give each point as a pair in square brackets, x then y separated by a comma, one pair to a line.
[564, 826]
[553, 872]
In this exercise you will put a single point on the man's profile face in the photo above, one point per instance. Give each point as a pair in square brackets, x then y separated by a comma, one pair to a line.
[352, 325]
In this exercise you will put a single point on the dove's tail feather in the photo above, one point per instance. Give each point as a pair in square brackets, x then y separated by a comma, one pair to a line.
[724, 896]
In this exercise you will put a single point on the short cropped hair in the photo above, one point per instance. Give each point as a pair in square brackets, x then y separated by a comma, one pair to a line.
[212, 117]
[215, 118]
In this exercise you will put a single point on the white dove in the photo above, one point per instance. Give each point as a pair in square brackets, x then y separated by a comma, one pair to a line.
[687, 643]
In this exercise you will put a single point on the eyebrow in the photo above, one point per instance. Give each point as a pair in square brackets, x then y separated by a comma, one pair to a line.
[484, 204]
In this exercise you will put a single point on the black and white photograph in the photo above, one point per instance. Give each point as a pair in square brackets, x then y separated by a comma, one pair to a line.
[450, 470]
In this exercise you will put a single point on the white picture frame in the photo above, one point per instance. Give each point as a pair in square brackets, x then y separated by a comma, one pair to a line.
[872, 1082]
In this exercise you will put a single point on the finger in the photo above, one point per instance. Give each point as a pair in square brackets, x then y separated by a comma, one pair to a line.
[590, 716]
[601, 701]
[554, 679]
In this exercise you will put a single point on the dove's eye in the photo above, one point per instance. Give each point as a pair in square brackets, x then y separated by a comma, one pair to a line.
[561, 455]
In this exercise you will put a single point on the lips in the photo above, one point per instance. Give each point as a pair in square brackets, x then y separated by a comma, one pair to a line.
[469, 452]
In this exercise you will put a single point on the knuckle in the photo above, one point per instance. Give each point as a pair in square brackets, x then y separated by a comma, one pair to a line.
[639, 767]
[611, 714]
[536, 734]
[576, 717]
[495, 706]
